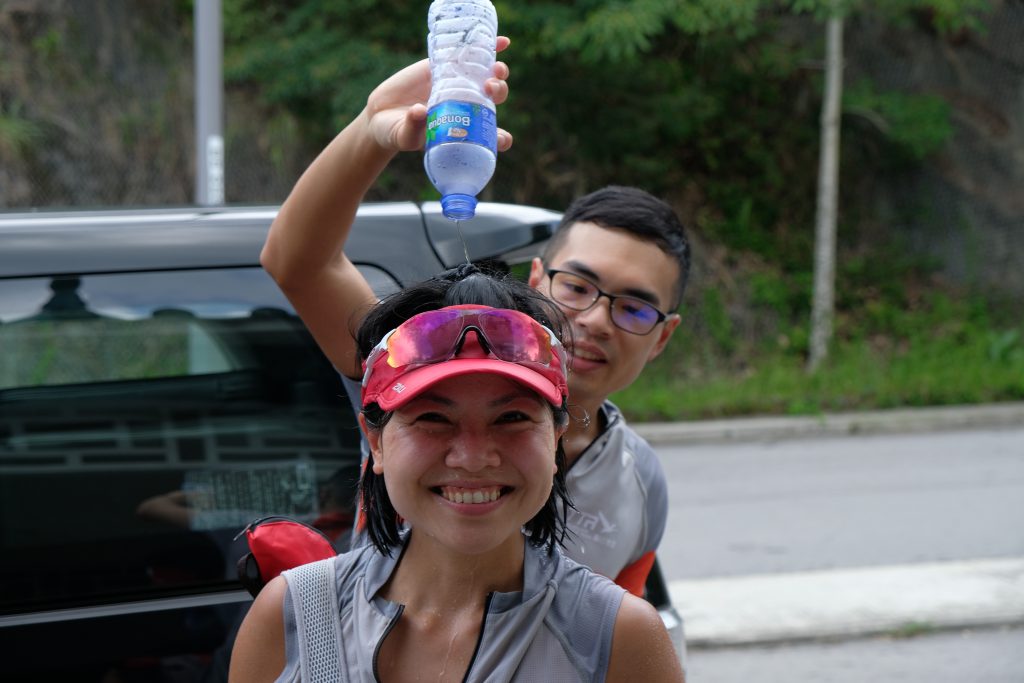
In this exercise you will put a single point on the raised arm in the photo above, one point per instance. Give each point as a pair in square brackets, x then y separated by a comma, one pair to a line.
[641, 647]
[304, 249]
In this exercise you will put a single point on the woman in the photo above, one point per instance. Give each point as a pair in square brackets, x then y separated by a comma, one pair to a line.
[464, 404]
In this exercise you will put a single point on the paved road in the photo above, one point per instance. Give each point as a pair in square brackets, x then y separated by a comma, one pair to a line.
[821, 503]
[782, 542]
[985, 656]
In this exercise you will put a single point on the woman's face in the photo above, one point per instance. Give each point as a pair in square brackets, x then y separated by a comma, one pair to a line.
[469, 461]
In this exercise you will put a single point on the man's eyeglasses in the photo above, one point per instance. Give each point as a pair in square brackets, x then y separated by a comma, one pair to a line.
[628, 313]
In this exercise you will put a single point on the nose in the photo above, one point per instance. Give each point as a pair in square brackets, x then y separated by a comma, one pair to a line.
[472, 450]
[597, 320]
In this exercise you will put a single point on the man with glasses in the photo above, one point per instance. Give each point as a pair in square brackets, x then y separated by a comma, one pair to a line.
[617, 266]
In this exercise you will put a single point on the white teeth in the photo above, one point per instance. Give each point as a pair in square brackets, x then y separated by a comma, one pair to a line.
[585, 355]
[473, 496]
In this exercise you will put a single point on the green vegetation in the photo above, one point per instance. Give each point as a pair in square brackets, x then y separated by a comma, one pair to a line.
[51, 352]
[943, 353]
[16, 133]
[913, 629]
[714, 106]
[707, 103]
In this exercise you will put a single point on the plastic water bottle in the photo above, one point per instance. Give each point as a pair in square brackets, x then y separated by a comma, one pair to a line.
[462, 129]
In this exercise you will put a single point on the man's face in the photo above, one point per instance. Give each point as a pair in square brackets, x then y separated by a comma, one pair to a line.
[606, 358]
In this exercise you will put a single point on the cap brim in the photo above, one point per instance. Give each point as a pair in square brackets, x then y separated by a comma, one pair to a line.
[411, 384]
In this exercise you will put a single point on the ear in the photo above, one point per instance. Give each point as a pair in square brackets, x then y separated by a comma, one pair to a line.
[536, 272]
[560, 431]
[671, 323]
[373, 439]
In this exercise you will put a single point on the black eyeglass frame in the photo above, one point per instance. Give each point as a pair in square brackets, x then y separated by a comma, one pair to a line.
[552, 272]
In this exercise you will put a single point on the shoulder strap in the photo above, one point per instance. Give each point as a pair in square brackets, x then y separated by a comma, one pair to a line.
[315, 602]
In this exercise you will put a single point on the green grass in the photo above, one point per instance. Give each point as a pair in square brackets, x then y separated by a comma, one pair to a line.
[912, 629]
[955, 359]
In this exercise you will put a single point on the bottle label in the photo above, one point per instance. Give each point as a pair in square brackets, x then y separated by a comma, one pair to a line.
[454, 121]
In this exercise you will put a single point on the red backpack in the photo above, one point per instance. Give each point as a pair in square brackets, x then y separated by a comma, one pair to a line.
[276, 544]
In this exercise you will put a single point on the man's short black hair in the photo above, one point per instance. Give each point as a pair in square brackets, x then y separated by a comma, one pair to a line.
[633, 211]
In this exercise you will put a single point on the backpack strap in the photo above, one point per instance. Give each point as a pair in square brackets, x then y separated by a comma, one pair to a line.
[312, 588]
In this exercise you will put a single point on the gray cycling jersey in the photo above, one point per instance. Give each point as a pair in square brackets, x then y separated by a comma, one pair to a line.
[558, 629]
[621, 498]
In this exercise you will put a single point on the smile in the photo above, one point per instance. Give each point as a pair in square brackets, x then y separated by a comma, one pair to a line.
[487, 494]
[587, 354]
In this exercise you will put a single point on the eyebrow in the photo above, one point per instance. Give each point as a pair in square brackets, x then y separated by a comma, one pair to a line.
[519, 392]
[637, 293]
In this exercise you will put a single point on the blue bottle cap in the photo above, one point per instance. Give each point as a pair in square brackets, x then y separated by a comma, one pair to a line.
[458, 207]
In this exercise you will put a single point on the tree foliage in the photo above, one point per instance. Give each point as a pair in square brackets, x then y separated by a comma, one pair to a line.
[713, 105]
[701, 97]
[320, 58]
[16, 132]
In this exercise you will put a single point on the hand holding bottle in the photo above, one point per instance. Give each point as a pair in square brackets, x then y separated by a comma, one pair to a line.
[396, 110]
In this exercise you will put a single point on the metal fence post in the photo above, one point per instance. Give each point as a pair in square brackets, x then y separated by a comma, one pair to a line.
[209, 103]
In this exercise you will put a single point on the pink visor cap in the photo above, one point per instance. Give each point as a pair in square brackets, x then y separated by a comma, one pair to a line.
[392, 387]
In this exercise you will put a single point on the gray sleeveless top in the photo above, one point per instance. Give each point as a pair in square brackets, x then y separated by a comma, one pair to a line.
[558, 629]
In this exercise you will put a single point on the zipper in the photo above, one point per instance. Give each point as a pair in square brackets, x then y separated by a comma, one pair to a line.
[480, 638]
[394, 622]
[380, 643]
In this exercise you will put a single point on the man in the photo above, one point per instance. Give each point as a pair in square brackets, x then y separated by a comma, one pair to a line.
[620, 247]
[617, 266]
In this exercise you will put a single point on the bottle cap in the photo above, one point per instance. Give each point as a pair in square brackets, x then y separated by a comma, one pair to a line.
[458, 207]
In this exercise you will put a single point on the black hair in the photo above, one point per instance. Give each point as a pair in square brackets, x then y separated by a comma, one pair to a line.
[467, 284]
[633, 211]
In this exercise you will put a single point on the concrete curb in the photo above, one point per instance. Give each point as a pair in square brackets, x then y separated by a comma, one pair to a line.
[835, 424]
[845, 603]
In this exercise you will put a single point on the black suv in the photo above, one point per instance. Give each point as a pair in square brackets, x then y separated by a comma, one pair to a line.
[157, 393]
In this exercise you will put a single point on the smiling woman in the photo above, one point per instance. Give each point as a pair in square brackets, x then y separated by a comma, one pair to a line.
[463, 405]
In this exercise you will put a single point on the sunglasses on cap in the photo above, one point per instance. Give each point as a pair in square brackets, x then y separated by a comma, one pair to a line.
[425, 349]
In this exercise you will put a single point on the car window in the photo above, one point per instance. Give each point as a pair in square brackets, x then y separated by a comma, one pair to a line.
[53, 351]
[145, 418]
